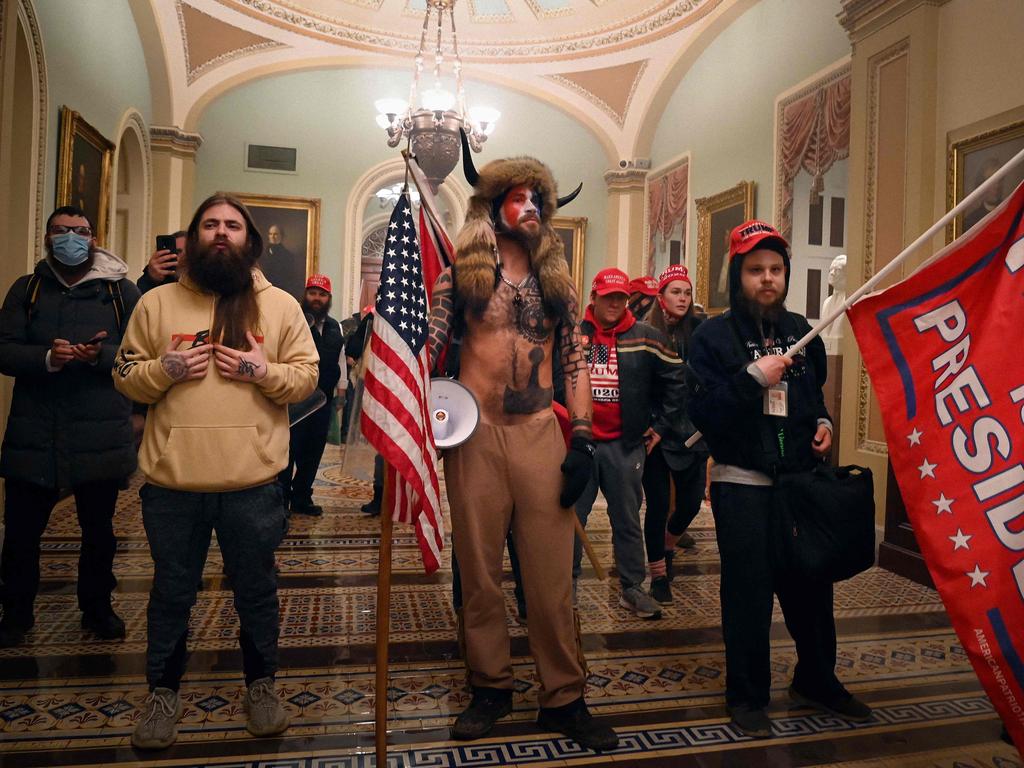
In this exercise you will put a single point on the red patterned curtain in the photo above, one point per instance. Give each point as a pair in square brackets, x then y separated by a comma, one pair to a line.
[815, 133]
[666, 207]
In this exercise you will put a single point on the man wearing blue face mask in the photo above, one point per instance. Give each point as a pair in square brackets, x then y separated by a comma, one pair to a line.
[69, 429]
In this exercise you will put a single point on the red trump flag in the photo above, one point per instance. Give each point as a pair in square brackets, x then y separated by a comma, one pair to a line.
[943, 349]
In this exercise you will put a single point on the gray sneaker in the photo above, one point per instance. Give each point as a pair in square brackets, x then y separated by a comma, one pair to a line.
[640, 603]
[158, 727]
[266, 714]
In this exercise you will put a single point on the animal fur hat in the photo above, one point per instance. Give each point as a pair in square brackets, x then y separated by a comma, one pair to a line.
[476, 273]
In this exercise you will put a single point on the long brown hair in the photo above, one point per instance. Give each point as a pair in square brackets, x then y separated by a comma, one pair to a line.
[678, 332]
[235, 313]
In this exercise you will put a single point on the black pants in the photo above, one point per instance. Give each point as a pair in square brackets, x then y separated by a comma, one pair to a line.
[305, 449]
[742, 523]
[689, 483]
[27, 510]
[250, 525]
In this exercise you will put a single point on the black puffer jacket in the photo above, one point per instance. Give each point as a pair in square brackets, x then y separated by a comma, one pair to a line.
[71, 426]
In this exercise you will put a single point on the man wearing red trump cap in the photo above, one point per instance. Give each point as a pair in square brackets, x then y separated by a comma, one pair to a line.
[763, 414]
[642, 291]
[636, 382]
[309, 436]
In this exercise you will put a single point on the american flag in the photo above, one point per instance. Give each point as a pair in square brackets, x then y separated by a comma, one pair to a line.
[396, 404]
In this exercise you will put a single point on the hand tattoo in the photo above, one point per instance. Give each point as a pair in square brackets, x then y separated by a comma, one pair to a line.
[174, 366]
[246, 368]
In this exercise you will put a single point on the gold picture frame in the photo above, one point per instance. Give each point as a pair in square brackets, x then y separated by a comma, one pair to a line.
[84, 160]
[573, 231]
[716, 217]
[971, 161]
[295, 257]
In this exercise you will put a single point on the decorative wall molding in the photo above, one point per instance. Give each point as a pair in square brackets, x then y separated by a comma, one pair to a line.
[27, 17]
[169, 139]
[863, 18]
[654, 23]
[133, 121]
[193, 73]
[617, 115]
[628, 180]
[875, 65]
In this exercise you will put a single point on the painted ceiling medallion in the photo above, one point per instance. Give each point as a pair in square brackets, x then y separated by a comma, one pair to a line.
[610, 88]
[209, 42]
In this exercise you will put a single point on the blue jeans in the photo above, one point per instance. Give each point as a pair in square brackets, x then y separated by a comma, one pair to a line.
[250, 525]
[618, 471]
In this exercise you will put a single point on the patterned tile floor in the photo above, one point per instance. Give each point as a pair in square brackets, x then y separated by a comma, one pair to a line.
[67, 699]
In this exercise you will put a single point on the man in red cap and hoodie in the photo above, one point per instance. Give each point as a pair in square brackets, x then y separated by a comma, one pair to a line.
[637, 387]
[762, 414]
[309, 436]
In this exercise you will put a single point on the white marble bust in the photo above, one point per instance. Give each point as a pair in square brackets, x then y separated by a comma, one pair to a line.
[837, 279]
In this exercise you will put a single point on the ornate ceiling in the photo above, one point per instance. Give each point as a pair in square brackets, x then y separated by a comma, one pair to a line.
[608, 63]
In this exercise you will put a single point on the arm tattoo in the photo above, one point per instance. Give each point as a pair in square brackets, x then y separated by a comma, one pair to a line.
[174, 365]
[442, 314]
[577, 379]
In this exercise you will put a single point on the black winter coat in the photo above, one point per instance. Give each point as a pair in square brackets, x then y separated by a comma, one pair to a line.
[726, 402]
[69, 427]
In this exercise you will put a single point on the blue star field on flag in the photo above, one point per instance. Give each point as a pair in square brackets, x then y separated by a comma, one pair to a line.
[401, 297]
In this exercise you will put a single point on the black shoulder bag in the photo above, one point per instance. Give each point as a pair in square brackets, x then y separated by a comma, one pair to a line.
[825, 522]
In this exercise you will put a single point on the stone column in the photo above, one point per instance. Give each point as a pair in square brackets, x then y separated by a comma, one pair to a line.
[625, 249]
[174, 173]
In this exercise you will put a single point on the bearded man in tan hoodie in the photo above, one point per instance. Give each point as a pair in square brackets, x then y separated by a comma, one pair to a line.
[217, 356]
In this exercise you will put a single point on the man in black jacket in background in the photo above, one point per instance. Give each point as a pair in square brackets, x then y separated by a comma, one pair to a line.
[763, 414]
[68, 427]
[309, 436]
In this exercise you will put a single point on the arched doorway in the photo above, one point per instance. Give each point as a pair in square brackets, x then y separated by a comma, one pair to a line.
[130, 236]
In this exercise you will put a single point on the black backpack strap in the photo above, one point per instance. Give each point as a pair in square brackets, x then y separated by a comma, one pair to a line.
[114, 290]
[32, 295]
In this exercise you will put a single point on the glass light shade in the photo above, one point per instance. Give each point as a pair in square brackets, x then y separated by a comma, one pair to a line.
[391, 107]
[438, 100]
[383, 122]
[484, 116]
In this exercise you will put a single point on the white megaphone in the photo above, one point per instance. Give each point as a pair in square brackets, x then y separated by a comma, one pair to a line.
[454, 412]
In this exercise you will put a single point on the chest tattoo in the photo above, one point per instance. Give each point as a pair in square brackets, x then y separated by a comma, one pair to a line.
[532, 397]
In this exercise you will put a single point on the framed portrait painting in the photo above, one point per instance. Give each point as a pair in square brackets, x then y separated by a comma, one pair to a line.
[84, 159]
[972, 160]
[573, 231]
[290, 228]
[717, 215]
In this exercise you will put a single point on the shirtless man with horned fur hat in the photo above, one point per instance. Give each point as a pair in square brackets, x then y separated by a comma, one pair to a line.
[512, 301]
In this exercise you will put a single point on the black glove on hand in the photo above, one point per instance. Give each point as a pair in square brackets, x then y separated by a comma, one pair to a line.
[577, 468]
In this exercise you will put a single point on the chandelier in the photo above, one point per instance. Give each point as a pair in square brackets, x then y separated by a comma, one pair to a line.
[431, 119]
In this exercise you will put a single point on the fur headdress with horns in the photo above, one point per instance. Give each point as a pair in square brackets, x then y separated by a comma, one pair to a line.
[476, 275]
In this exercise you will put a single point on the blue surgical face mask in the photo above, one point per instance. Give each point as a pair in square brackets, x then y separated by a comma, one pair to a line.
[70, 249]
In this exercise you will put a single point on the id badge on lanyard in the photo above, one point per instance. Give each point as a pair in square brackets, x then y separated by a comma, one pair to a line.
[776, 400]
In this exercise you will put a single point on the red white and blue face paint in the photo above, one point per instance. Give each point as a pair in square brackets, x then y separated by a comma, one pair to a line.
[521, 209]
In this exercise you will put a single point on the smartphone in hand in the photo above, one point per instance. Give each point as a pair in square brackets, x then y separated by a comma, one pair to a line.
[94, 340]
[167, 243]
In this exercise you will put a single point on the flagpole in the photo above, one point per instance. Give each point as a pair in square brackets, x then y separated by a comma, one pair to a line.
[975, 197]
[383, 623]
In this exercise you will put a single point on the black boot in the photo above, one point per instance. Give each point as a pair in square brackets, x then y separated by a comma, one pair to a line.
[576, 722]
[102, 621]
[373, 507]
[488, 706]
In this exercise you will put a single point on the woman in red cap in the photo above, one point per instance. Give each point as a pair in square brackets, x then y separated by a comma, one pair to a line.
[673, 314]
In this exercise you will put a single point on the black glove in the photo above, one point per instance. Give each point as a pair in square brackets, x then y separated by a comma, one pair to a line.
[577, 468]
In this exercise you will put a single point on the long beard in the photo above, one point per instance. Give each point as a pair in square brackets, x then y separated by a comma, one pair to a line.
[224, 274]
[317, 314]
[527, 241]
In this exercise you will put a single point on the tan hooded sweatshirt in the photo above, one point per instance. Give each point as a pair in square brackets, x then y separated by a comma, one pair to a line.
[214, 434]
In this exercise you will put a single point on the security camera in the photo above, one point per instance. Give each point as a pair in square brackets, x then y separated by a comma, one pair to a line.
[624, 163]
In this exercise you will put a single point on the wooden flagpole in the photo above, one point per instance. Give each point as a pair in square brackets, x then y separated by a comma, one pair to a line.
[380, 717]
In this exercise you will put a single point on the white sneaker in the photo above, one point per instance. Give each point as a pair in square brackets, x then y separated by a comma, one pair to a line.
[266, 714]
[158, 727]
